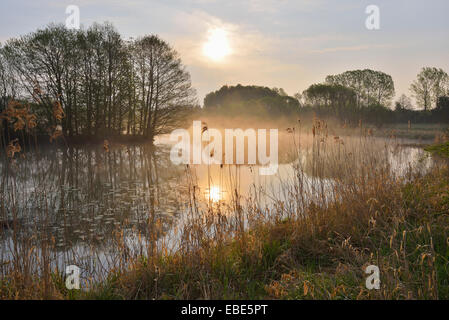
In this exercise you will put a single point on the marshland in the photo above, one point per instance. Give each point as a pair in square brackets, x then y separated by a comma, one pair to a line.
[87, 180]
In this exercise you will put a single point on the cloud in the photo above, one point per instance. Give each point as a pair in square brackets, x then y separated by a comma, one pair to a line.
[282, 43]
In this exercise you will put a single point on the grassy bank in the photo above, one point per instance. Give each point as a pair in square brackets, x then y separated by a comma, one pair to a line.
[421, 131]
[315, 243]
[403, 228]
[441, 150]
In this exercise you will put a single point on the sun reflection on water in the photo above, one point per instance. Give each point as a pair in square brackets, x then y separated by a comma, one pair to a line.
[214, 194]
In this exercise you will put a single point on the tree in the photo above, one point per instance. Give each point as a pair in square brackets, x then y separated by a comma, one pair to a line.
[45, 64]
[334, 98]
[280, 91]
[371, 87]
[431, 83]
[329, 95]
[251, 100]
[105, 86]
[404, 103]
[8, 81]
[163, 87]
[8, 87]
[298, 96]
[442, 109]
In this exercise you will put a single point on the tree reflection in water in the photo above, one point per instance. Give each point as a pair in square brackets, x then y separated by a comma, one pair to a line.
[84, 201]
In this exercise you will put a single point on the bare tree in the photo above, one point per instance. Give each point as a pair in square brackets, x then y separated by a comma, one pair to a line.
[431, 83]
[164, 89]
[404, 103]
[8, 81]
[104, 85]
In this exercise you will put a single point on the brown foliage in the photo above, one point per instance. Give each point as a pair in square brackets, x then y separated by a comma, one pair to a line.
[19, 116]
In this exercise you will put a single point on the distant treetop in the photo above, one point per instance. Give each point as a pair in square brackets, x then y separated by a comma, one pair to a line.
[238, 99]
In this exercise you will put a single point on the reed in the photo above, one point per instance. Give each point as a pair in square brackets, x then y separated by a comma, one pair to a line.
[339, 207]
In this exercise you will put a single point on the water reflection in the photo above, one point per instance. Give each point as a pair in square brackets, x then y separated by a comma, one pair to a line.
[84, 202]
[214, 193]
[76, 199]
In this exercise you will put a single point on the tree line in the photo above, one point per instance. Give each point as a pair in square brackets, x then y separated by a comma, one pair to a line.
[367, 94]
[250, 100]
[101, 84]
[92, 83]
[350, 96]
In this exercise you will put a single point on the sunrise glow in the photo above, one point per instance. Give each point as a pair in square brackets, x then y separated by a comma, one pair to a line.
[217, 46]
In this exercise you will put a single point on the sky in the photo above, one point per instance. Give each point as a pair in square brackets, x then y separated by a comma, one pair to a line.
[287, 44]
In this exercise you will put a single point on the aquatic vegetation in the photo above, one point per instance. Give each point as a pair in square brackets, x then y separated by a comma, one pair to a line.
[139, 226]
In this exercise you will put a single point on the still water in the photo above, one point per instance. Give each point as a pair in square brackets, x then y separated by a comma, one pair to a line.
[83, 203]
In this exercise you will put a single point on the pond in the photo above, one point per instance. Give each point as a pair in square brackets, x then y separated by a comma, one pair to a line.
[97, 208]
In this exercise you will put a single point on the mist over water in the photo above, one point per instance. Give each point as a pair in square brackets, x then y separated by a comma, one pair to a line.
[84, 203]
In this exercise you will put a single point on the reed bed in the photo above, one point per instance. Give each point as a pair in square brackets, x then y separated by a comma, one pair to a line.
[342, 204]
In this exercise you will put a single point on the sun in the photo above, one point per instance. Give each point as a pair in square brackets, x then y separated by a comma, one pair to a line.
[217, 46]
[214, 193]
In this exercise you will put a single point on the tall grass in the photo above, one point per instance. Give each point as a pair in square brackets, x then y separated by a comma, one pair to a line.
[339, 207]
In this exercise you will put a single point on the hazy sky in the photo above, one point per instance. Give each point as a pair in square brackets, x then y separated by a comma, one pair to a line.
[275, 43]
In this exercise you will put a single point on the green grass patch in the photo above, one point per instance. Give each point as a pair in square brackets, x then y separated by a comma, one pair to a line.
[441, 150]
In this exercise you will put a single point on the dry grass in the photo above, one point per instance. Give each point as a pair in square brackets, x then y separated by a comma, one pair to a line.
[402, 228]
[341, 210]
